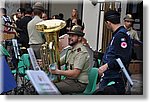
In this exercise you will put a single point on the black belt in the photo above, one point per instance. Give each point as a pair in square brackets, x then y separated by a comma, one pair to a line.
[76, 80]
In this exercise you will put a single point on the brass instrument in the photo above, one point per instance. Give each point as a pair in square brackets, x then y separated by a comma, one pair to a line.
[50, 50]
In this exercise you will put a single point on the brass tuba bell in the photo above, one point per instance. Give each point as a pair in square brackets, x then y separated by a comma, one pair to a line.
[50, 50]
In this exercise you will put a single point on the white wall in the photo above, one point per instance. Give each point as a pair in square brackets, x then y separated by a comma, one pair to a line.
[90, 18]
[12, 6]
[123, 10]
[2, 3]
[66, 9]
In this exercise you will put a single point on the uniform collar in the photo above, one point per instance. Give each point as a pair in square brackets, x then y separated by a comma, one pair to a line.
[37, 17]
[77, 46]
[117, 30]
[128, 28]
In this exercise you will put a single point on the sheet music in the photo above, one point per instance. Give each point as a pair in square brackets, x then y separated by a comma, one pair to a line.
[42, 83]
[33, 59]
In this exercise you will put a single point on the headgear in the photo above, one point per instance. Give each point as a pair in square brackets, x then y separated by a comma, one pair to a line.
[39, 6]
[76, 30]
[22, 10]
[128, 17]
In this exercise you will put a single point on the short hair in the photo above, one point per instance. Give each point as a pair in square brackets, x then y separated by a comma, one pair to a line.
[112, 16]
[56, 16]
[22, 10]
[37, 12]
[28, 10]
[61, 15]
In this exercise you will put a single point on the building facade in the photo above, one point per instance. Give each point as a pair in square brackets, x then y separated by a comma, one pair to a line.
[92, 14]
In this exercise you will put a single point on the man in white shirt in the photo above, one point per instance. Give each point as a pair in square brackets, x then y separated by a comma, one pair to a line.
[36, 39]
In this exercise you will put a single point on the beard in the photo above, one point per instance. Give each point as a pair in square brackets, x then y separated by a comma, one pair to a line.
[72, 42]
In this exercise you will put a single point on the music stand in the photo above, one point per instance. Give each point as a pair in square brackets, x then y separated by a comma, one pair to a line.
[18, 57]
[39, 79]
[41, 83]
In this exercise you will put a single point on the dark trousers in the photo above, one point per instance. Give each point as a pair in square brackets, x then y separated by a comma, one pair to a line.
[70, 86]
[36, 49]
[117, 88]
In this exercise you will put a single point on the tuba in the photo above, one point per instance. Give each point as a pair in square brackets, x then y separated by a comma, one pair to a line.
[50, 50]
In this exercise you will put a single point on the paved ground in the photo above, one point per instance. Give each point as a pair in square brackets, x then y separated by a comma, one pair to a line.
[137, 88]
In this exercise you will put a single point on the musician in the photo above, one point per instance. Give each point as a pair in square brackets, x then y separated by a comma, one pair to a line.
[36, 39]
[128, 24]
[76, 62]
[113, 80]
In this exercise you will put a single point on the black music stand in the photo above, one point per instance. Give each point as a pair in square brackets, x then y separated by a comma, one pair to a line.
[23, 87]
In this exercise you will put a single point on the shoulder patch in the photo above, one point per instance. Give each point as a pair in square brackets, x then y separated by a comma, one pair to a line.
[123, 44]
[79, 49]
[123, 39]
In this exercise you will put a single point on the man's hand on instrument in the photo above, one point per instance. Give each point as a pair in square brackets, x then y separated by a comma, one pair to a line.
[54, 71]
[53, 68]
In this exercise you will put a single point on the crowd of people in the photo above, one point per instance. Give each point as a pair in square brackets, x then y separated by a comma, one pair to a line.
[77, 57]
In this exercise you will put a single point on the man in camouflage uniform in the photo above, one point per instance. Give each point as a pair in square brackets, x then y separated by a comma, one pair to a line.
[128, 22]
[77, 64]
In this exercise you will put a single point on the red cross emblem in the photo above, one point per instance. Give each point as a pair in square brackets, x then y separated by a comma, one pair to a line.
[123, 44]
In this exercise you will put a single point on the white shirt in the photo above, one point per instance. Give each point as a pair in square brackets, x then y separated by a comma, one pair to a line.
[35, 37]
